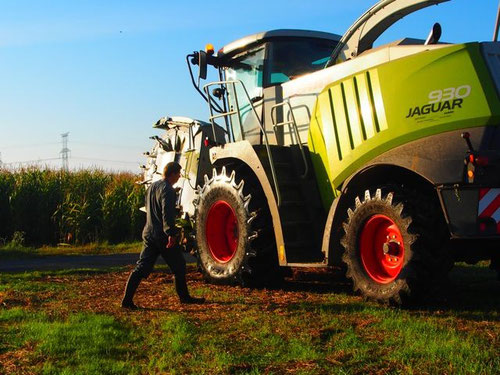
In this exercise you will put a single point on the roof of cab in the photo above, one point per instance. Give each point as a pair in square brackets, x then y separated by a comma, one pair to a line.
[249, 40]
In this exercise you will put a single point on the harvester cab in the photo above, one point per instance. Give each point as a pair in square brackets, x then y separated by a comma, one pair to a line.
[322, 150]
[251, 71]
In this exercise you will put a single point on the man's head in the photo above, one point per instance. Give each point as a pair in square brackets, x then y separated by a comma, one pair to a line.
[172, 172]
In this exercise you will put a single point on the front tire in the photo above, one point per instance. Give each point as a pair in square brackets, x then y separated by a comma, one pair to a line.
[235, 242]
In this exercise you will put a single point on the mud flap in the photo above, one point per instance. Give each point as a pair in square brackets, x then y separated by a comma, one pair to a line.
[471, 211]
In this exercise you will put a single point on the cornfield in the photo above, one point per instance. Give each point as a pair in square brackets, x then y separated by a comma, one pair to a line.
[51, 206]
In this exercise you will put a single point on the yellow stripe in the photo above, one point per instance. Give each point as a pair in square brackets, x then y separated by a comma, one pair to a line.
[352, 112]
[378, 101]
[327, 126]
[365, 103]
[341, 120]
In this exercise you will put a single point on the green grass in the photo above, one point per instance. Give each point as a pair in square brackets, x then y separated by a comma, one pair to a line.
[301, 329]
[80, 344]
[41, 281]
[22, 252]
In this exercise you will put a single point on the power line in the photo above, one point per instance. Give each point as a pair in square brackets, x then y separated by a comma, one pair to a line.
[65, 155]
[73, 158]
[107, 145]
[30, 161]
[105, 160]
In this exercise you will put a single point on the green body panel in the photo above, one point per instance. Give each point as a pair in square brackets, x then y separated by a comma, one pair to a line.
[371, 112]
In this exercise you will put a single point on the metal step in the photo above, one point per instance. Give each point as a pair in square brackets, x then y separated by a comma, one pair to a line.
[308, 265]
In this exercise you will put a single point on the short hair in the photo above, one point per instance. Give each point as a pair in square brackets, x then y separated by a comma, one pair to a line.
[171, 168]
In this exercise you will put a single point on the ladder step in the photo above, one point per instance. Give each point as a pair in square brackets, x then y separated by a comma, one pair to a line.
[308, 265]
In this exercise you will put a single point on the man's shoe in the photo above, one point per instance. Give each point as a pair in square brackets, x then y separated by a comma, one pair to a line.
[129, 305]
[192, 300]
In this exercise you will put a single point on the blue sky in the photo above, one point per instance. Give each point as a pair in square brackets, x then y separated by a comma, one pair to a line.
[105, 71]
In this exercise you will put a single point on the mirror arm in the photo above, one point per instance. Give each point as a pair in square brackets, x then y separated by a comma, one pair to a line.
[193, 59]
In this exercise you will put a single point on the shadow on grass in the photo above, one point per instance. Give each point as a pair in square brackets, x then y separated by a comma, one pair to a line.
[470, 292]
[28, 275]
[317, 281]
[18, 253]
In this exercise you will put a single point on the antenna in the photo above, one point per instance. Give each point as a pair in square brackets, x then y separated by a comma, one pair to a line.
[497, 24]
[65, 152]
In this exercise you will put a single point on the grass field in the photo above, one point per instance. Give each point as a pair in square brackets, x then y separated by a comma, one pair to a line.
[70, 323]
[19, 252]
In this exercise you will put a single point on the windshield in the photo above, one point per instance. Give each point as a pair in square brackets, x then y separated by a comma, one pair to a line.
[249, 69]
[292, 58]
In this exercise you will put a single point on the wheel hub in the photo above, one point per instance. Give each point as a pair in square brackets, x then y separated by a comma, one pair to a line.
[391, 247]
[222, 231]
[382, 249]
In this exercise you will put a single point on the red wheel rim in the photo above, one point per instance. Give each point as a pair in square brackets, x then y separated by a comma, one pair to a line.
[222, 231]
[382, 249]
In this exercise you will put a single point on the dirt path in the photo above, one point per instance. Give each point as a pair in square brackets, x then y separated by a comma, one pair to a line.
[74, 262]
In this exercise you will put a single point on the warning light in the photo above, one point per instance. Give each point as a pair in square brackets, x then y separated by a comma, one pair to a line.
[470, 174]
[209, 49]
[478, 160]
[209, 143]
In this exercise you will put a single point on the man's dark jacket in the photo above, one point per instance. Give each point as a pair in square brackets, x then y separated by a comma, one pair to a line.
[160, 211]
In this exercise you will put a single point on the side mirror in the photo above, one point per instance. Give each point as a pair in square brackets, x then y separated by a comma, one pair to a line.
[202, 63]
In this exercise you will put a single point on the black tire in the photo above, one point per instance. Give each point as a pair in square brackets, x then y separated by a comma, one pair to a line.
[253, 260]
[403, 268]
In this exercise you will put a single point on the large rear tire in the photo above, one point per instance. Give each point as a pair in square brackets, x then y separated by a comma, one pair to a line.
[234, 236]
[394, 250]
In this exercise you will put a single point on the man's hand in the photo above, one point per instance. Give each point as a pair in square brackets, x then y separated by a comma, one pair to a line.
[172, 241]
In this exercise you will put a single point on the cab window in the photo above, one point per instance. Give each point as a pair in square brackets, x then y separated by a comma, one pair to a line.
[249, 69]
[289, 59]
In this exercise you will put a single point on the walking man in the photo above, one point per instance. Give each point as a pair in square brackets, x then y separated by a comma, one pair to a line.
[160, 238]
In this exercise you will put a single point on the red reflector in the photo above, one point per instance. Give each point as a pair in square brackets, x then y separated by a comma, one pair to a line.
[488, 209]
[471, 158]
[206, 142]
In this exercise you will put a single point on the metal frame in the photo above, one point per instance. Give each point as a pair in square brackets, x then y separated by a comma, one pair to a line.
[291, 125]
[244, 152]
[238, 113]
[367, 28]
[244, 43]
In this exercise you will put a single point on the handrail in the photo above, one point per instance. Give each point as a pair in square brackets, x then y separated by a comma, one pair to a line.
[259, 120]
[293, 125]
